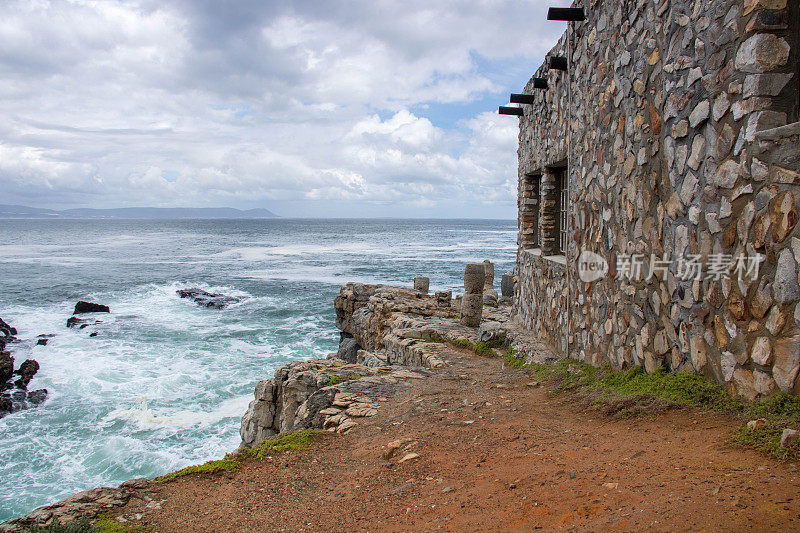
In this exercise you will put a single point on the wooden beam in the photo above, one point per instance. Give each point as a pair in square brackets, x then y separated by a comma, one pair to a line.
[503, 110]
[570, 14]
[521, 98]
[558, 63]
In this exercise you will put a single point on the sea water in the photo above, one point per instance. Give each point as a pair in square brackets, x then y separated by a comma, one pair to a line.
[165, 382]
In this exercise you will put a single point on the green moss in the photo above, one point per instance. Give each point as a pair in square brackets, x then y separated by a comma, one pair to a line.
[340, 378]
[211, 467]
[108, 524]
[683, 387]
[541, 371]
[298, 440]
[633, 391]
[781, 411]
[513, 361]
[487, 348]
[767, 439]
[462, 343]
[435, 338]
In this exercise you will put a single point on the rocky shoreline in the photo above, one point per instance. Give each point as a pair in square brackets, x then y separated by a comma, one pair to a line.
[14, 393]
[389, 337]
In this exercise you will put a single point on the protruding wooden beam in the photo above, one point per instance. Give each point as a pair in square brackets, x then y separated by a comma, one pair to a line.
[569, 14]
[558, 63]
[521, 98]
[503, 110]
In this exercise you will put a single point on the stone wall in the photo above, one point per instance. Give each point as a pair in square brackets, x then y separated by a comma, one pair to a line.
[684, 144]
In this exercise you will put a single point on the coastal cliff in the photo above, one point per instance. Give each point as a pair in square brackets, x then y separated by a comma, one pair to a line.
[389, 336]
[396, 336]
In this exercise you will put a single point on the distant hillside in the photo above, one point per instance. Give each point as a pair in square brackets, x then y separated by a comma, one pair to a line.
[19, 211]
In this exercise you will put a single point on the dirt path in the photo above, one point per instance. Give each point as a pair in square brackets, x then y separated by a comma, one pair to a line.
[495, 454]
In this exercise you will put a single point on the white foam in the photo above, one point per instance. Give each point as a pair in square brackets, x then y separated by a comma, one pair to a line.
[147, 418]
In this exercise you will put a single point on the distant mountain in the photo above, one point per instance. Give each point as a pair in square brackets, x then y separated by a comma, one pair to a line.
[19, 211]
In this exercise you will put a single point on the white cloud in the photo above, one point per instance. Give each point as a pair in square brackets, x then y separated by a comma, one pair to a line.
[252, 103]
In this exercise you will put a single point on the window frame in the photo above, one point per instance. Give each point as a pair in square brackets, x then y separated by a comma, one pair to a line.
[534, 180]
[562, 211]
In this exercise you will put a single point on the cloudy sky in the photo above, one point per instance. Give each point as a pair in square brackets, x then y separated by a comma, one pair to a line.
[319, 108]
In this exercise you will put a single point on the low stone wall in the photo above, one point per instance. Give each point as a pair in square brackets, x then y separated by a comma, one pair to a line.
[540, 300]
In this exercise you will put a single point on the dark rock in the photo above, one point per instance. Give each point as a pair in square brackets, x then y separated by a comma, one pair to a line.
[93, 334]
[26, 371]
[6, 405]
[6, 366]
[18, 396]
[348, 348]
[41, 342]
[208, 299]
[81, 323]
[90, 307]
[507, 285]
[36, 397]
[7, 330]
[14, 396]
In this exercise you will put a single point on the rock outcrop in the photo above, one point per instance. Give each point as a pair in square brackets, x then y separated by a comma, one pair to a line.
[90, 307]
[6, 330]
[90, 503]
[389, 335]
[81, 323]
[323, 393]
[14, 394]
[208, 299]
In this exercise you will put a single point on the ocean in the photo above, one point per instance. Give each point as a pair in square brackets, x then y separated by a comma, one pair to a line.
[165, 382]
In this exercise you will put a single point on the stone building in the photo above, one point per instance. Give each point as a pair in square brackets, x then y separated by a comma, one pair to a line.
[666, 141]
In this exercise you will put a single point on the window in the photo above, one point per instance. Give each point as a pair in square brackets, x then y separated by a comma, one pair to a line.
[562, 191]
[529, 211]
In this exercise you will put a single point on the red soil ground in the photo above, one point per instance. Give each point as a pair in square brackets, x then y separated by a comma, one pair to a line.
[495, 454]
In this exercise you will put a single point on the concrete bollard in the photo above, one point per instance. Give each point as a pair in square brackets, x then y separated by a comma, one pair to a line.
[472, 301]
[471, 310]
[422, 284]
[490, 297]
[443, 298]
[507, 285]
[474, 277]
[488, 268]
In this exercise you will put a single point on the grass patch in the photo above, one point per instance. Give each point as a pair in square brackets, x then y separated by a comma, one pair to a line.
[299, 440]
[107, 524]
[232, 462]
[781, 411]
[487, 348]
[462, 343]
[541, 371]
[633, 392]
[480, 348]
[335, 380]
[211, 467]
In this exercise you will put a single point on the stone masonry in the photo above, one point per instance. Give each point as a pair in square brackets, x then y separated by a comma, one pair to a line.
[684, 143]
